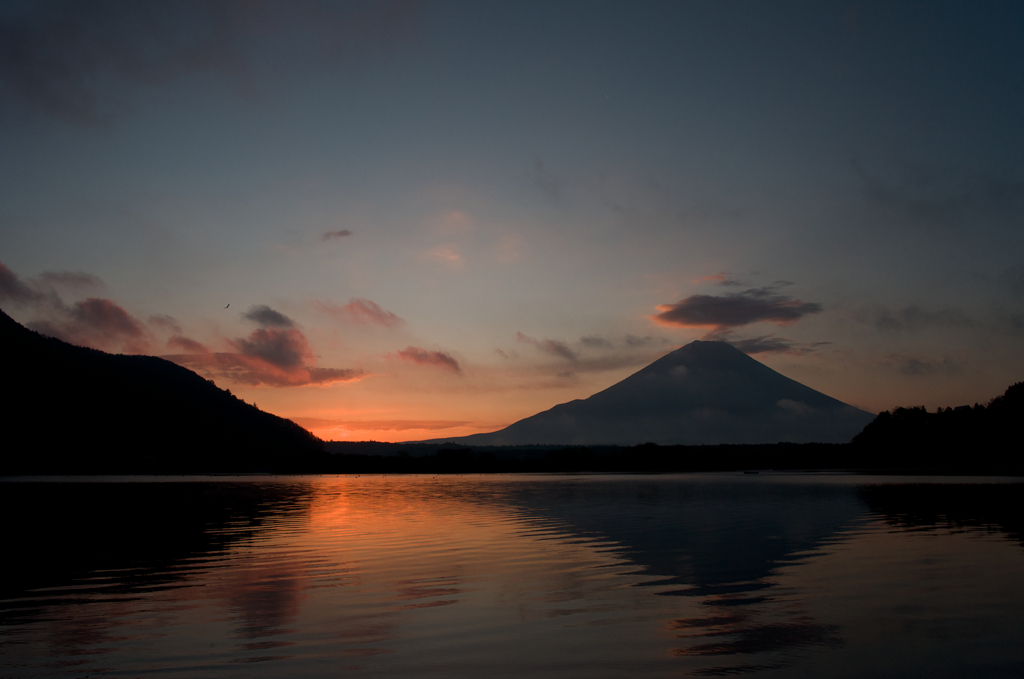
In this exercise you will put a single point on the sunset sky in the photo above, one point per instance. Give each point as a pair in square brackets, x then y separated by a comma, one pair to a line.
[437, 218]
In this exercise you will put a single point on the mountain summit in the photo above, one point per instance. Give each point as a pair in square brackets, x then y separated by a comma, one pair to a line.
[702, 393]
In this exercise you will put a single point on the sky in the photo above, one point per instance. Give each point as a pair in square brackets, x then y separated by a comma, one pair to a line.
[403, 220]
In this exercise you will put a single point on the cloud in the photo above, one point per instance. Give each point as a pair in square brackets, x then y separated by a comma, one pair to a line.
[108, 317]
[75, 280]
[254, 371]
[419, 356]
[913, 317]
[730, 311]
[553, 347]
[335, 235]
[550, 185]
[277, 357]
[378, 425]
[283, 348]
[1012, 281]
[97, 323]
[267, 317]
[13, 289]
[446, 253]
[634, 341]
[165, 323]
[80, 60]
[916, 367]
[189, 346]
[770, 344]
[948, 197]
[361, 311]
[94, 322]
[595, 342]
[274, 357]
[795, 407]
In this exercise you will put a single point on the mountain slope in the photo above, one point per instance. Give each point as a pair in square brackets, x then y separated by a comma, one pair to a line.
[71, 409]
[702, 393]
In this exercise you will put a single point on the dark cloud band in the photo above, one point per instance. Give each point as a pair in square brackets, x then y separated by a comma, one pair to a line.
[732, 311]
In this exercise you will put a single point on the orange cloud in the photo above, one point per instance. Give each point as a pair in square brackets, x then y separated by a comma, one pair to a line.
[378, 425]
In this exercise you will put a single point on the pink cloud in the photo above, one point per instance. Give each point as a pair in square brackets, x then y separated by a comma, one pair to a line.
[360, 311]
[274, 357]
[13, 289]
[256, 372]
[189, 346]
[97, 323]
[419, 356]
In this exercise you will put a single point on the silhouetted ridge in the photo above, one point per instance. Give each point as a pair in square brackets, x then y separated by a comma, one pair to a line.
[703, 393]
[78, 410]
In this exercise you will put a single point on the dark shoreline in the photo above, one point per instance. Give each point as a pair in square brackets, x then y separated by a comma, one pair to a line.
[399, 458]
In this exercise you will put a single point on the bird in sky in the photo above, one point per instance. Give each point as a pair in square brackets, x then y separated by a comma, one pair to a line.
[229, 304]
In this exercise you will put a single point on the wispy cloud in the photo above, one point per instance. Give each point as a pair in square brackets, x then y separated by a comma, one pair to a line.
[449, 254]
[13, 289]
[596, 342]
[360, 311]
[336, 235]
[768, 344]
[441, 359]
[75, 280]
[549, 185]
[189, 346]
[81, 60]
[549, 346]
[914, 317]
[935, 197]
[919, 367]
[165, 323]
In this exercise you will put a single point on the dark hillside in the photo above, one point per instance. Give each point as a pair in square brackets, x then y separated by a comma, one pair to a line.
[75, 410]
[967, 436]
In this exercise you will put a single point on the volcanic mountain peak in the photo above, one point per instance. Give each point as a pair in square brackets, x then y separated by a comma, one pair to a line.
[702, 393]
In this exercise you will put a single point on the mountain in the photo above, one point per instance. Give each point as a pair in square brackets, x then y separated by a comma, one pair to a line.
[702, 393]
[76, 410]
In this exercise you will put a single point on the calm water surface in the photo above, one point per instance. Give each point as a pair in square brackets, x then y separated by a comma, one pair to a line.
[469, 576]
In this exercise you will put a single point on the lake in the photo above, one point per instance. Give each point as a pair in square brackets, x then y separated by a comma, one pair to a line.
[765, 575]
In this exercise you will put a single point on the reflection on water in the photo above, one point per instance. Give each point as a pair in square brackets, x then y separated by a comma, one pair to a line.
[702, 575]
